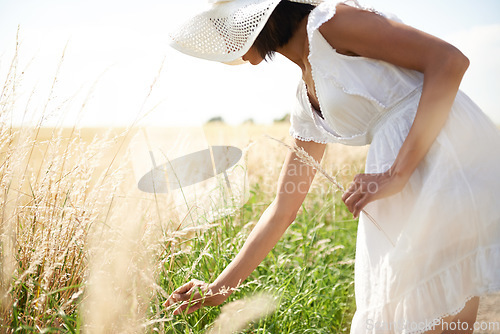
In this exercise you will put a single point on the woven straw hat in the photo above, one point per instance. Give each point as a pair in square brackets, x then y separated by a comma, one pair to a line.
[227, 30]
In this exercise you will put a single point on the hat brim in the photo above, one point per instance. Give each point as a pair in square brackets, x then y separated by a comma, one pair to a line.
[225, 32]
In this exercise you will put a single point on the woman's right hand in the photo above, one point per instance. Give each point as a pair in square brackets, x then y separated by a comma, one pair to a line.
[194, 295]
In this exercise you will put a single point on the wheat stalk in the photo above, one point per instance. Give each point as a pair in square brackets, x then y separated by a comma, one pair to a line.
[304, 157]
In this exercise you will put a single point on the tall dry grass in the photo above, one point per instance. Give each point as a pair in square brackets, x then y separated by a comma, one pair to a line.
[81, 247]
[76, 252]
[82, 250]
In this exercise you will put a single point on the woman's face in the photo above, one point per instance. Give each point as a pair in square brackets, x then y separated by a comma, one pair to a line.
[253, 56]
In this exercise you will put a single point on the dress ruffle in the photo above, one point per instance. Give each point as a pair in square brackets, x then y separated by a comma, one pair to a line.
[450, 289]
[445, 225]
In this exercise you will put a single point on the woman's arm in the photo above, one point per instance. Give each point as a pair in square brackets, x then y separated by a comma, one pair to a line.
[367, 34]
[293, 186]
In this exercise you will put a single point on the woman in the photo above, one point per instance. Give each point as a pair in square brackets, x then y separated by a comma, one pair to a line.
[431, 175]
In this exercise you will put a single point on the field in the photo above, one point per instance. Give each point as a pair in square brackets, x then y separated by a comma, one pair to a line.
[84, 250]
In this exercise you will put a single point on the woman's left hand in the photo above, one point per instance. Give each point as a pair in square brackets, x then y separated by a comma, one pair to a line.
[194, 295]
[367, 188]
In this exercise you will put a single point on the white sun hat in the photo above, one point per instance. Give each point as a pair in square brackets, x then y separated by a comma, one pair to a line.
[227, 30]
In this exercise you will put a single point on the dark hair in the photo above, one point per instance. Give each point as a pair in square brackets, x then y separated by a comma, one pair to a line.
[280, 27]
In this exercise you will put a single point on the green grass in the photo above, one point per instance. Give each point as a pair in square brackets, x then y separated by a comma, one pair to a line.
[310, 271]
[65, 213]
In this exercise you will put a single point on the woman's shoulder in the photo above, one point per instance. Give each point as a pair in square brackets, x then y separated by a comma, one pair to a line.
[333, 17]
[322, 13]
[322, 17]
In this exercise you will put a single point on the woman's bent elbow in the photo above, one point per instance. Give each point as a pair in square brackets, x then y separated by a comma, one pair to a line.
[457, 62]
[462, 63]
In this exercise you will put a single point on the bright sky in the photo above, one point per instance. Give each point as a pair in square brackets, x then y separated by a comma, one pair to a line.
[115, 50]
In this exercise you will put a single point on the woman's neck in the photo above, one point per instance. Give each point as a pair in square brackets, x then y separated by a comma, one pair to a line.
[297, 49]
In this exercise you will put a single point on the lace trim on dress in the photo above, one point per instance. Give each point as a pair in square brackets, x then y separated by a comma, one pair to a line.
[355, 140]
[478, 263]
[438, 319]
[299, 137]
[454, 312]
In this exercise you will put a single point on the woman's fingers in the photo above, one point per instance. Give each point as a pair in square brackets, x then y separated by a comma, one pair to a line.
[178, 294]
[356, 192]
[190, 294]
[366, 188]
[352, 199]
[350, 190]
[193, 306]
[193, 299]
[361, 192]
[358, 207]
[357, 201]
[184, 288]
[193, 294]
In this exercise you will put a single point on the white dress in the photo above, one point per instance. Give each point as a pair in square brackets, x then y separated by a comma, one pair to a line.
[444, 227]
